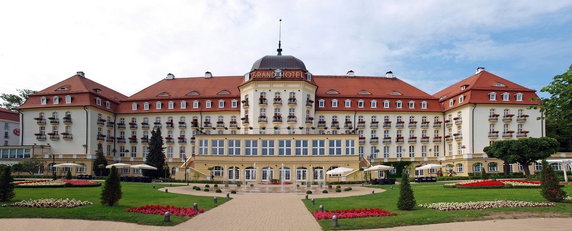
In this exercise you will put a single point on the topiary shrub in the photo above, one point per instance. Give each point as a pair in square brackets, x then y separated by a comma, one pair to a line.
[233, 191]
[309, 192]
[550, 186]
[348, 189]
[207, 186]
[406, 199]
[324, 191]
[68, 175]
[218, 190]
[338, 190]
[338, 186]
[111, 192]
[6, 186]
[216, 185]
[207, 190]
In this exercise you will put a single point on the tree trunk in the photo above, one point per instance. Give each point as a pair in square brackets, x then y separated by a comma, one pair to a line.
[506, 166]
[526, 169]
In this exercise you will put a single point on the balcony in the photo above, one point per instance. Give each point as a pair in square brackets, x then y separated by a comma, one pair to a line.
[494, 117]
[54, 120]
[182, 140]
[244, 104]
[458, 120]
[361, 140]
[412, 140]
[220, 124]
[145, 125]
[40, 136]
[521, 118]
[144, 139]
[309, 103]
[132, 139]
[386, 124]
[291, 119]
[54, 136]
[437, 139]
[67, 136]
[458, 136]
[262, 119]
[100, 122]
[374, 124]
[121, 125]
[361, 124]
[67, 119]
[207, 124]
[493, 134]
[309, 121]
[40, 120]
[110, 124]
[277, 119]
[348, 125]
[412, 124]
[277, 101]
[507, 118]
[110, 139]
[387, 140]
[157, 124]
[170, 124]
[245, 121]
[425, 139]
[374, 140]
[448, 138]
[100, 137]
[321, 124]
[425, 124]
[262, 101]
[399, 139]
[195, 124]
[522, 134]
[437, 124]
[400, 124]
[335, 124]
[507, 134]
[448, 123]
[169, 140]
[233, 124]
[182, 124]
[292, 101]
[121, 140]
[133, 125]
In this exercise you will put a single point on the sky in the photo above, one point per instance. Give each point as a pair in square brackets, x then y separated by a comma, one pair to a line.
[129, 45]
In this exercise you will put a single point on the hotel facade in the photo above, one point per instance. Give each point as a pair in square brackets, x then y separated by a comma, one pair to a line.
[280, 121]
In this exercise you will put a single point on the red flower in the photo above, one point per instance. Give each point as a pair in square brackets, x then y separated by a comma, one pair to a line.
[352, 213]
[161, 209]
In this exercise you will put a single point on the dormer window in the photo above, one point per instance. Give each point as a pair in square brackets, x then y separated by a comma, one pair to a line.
[395, 93]
[62, 88]
[183, 104]
[399, 104]
[332, 92]
[451, 102]
[68, 99]
[348, 103]
[499, 85]
[234, 103]
[386, 104]
[43, 100]
[193, 93]
[158, 105]
[373, 104]
[461, 98]
[411, 104]
[364, 92]
[423, 104]
[223, 92]
[98, 101]
[107, 104]
[464, 87]
[360, 103]
[492, 96]
[171, 105]
[221, 103]
[97, 90]
[505, 96]
[518, 97]
[134, 106]
[278, 73]
[56, 100]
[321, 103]
[334, 103]
[196, 104]
[163, 94]
[146, 106]
[208, 104]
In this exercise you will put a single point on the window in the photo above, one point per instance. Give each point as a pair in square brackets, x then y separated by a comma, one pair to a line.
[505, 96]
[68, 99]
[233, 173]
[56, 100]
[134, 106]
[424, 151]
[284, 174]
[43, 100]
[518, 97]
[451, 102]
[284, 147]
[301, 174]
[158, 105]
[170, 152]
[321, 103]
[183, 104]
[301, 147]
[171, 105]
[477, 167]
[146, 106]
[334, 103]
[350, 147]
[233, 147]
[399, 151]
[459, 167]
[373, 104]
[267, 147]
[335, 147]
[386, 104]
[196, 104]
[234, 103]
[250, 174]
[318, 147]
[360, 151]
[411, 151]
[493, 167]
[251, 147]
[423, 104]
[360, 103]
[98, 101]
[461, 98]
[436, 150]
[348, 103]
[399, 104]
[221, 104]
[217, 171]
[492, 96]
[208, 104]
[217, 147]
[411, 104]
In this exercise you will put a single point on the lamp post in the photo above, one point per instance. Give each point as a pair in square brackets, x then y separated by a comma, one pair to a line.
[53, 168]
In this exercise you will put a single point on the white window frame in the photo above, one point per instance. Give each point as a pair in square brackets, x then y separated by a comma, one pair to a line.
[321, 103]
[56, 100]
[146, 106]
[251, 147]
[217, 147]
[158, 105]
[518, 96]
[43, 100]
[411, 104]
[505, 96]
[221, 103]
[183, 104]
[361, 103]
[234, 147]
[234, 103]
[335, 147]
[399, 104]
[373, 103]
[423, 104]
[195, 104]
[171, 105]
[68, 99]
[334, 103]
[284, 147]
[318, 147]
[134, 106]
[386, 104]
[208, 104]
[267, 147]
[492, 96]
[347, 103]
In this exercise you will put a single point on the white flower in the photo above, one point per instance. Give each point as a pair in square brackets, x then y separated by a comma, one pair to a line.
[50, 203]
[449, 206]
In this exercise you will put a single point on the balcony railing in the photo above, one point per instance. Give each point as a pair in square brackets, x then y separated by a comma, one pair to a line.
[182, 124]
[458, 120]
[309, 120]
[244, 104]
[110, 124]
[233, 124]
[133, 125]
[291, 119]
[522, 134]
[67, 119]
[494, 117]
[425, 139]
[448, 123]
[109, 139]
[40, 136]
[361, 124]
[67, 136]
[386, 124]
[54, 136]
[170, 124]
[220, 124]
[277, 119]
[182, 139]
[207, 124]
[448, 138]
[437, 124]
[145, 125]
[292, 101]
[458, 136]
[132, 139]
[386, 140]
[262, 101]
[374, 140]
[100, 122]
[169, 140]
[54, 120]
[121, 140]
[374, 124]
[40, 121]
[361, 140]
[437, 139]
[400, 124]
[144, 139]
[309, 103]
[262, 119]
[521, 118]
[121, 125]
[425, 124]
[399, 139]
[412, 124]
[507, 118]
[493, 134]
[277, 101]
[507, 134]
[157, 124]
[100, 137]
[412, 139]
[348, 125]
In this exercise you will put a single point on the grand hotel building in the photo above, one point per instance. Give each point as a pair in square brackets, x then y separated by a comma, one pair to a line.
[280, 121]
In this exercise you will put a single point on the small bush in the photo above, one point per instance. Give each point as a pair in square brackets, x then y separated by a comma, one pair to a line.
[207, 186]
[216, 185]
[251, 185]
[330, 186]
[324, 191]
[348, 189]
[238, 184]
[314, 183]
[338, 190]
[338, 186]
[207, 190]
[198, 188]
[309, 192]
[233, 191]
[218, 190]
[111, 192]
[551, 189]
[69, 175]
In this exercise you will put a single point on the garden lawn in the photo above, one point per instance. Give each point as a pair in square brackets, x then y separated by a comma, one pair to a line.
[134, 195]
[431, 193]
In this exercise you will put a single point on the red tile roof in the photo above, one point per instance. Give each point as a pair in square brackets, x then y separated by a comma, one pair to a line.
[181, 87]
[377, 86]
[79, 84]
[6, 114]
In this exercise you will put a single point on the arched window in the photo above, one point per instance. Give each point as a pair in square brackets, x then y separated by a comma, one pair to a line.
[459, 167]
[492, 96]
[373, 103]
[250, 174]
[411, 104]
[68, 99]
[423, 104]
[234, 173]
[398, 104]
[208, 104]
[334, 103]
[171, 105]
[146, 106]
[360, 103]
[183, 104]
[321, 103]
[56, 100]
[518, 97]
[159, 105]
[217, 171]
[44, 100]
[386, 104]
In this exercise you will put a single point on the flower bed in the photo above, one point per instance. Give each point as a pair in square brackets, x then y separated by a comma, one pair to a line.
[495, 184]
[50, 203]
[277, 182]
[478, 205]
[81, 182]
[161, 209]
[56, 183]
[352, 213]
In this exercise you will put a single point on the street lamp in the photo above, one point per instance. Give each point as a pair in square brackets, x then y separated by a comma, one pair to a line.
[53, 168]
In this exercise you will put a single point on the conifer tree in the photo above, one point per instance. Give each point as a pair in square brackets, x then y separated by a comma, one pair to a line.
[111, 192]
[100, 162]
[406, 199]
[6, 185]
[69, 175]
[550, 186]
[156, 156]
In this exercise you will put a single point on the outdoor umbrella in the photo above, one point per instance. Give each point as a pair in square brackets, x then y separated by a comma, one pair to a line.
[143, 166]
[67, 165]
[339, 170]
[565, 162]
[118, 165]
[429, 166]
[379, 167]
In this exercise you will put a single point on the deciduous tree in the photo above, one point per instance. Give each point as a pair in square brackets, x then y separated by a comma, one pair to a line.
[13, 101]
[557, 109]
[523, 151]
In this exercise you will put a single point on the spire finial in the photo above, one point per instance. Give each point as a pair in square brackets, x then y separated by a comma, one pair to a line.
[279, 37]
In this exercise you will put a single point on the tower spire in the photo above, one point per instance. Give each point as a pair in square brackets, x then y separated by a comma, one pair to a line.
[279, 37]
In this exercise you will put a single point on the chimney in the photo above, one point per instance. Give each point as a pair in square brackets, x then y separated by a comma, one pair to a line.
[389, 74]
[350, 73]
[479, 69]
[170, 76]
[80, 73]
[208, 74]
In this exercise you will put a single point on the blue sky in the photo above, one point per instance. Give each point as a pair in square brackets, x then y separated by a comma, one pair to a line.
[128, 45]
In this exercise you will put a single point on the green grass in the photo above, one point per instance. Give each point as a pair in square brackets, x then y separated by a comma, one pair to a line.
[134, 195]
[430, 193]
